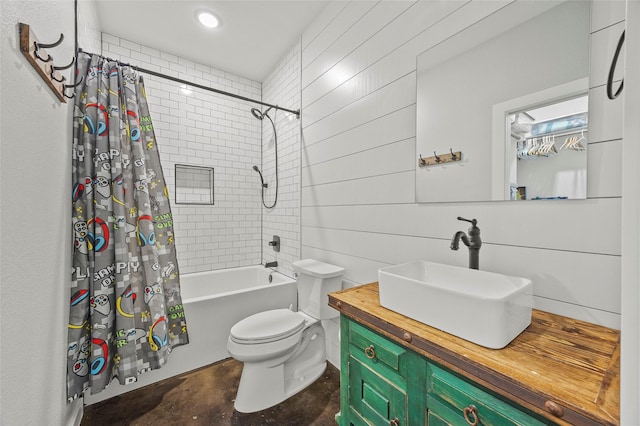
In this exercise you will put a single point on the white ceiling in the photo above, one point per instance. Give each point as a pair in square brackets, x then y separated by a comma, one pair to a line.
[254, 35]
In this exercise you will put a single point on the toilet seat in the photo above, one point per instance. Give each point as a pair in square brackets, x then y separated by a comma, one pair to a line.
[266, 327]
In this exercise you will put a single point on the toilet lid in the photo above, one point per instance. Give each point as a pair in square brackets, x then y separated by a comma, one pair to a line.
[267, 326]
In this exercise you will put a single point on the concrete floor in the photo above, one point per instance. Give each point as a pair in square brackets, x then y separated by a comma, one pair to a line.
[205, 397]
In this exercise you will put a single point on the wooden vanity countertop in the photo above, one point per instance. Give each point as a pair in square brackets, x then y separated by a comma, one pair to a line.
[564, 369]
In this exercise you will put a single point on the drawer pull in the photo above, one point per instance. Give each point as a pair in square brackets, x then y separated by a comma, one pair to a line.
[471, 415]
[394, 422]
[554, 408]
[370, 352]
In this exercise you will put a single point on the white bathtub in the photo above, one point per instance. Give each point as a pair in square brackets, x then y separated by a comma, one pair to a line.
[213, 302]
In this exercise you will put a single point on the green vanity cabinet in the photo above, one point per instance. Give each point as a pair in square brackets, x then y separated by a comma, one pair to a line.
[398, 371]
[385, 383]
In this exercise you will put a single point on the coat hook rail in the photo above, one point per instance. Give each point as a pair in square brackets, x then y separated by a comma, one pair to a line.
[35, 53]
[449, 157]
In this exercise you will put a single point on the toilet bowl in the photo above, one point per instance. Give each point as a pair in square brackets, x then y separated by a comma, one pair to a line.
[284, 351]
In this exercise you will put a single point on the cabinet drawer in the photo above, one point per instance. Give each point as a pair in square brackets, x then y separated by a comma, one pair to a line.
[458, 394]
[373, 398]
[440, 414]
[374, 350]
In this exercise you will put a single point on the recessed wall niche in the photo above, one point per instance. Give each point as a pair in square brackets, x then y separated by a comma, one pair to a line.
[194, 185]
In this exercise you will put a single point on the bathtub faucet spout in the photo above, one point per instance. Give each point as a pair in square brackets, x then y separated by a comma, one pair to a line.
[271, 264]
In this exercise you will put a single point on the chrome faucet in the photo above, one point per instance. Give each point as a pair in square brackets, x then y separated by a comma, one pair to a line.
[473, 241]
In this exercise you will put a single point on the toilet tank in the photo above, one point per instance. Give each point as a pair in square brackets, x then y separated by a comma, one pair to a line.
[315, 281]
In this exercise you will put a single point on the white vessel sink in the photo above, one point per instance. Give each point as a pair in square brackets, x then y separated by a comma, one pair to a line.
[485, 308]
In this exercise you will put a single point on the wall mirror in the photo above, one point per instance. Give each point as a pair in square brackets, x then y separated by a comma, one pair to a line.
[506, 98]
[194, 184]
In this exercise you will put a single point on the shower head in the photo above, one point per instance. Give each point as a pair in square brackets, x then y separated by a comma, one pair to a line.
[264, 185]
[259, 114]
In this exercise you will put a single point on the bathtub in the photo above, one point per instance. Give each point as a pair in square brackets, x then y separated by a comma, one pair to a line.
[213, 302]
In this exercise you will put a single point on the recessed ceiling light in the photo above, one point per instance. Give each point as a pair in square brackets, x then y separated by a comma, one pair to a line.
[208, 19]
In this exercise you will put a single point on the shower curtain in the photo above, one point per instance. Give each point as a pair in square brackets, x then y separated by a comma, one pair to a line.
[126, 311]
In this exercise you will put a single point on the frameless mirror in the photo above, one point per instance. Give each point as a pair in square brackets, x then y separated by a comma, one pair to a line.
[502, 105]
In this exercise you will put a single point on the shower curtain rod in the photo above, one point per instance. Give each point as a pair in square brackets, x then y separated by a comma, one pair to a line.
[200, 86]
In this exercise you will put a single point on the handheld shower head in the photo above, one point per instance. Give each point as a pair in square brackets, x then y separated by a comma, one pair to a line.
[264, 185]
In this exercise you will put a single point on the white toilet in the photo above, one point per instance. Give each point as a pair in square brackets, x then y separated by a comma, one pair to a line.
[284, 351]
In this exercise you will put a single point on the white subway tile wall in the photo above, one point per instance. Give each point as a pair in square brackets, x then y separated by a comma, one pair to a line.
[201, 128]
[282, 88]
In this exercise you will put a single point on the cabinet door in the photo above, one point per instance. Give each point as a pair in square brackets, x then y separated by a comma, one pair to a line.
[374, 399]
[382, 382]
[449, 393]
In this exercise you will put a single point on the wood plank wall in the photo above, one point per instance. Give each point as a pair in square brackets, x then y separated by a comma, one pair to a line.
[358, 205]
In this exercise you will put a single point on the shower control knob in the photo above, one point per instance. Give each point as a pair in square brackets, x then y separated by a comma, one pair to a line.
[275, 243]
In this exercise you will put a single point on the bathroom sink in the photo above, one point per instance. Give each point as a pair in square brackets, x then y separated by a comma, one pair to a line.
[485, 308]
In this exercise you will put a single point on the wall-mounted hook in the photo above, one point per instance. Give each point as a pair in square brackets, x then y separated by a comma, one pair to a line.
[39, 45]
[454, 157]
[54, 69]
[423, 162]
[49, 58]
[73, 60]
[47, 46]
[53, 76]
[53, 72]
[76, 84]
[71, 86]
[438, 159]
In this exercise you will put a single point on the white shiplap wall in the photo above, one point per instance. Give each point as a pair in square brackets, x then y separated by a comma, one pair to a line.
[357, 195]
[202, 128]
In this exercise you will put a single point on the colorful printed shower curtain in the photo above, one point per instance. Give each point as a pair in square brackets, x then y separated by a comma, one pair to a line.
[126, 311]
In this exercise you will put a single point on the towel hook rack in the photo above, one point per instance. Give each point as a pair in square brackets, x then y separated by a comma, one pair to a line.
[41, 61]
[449, 157]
